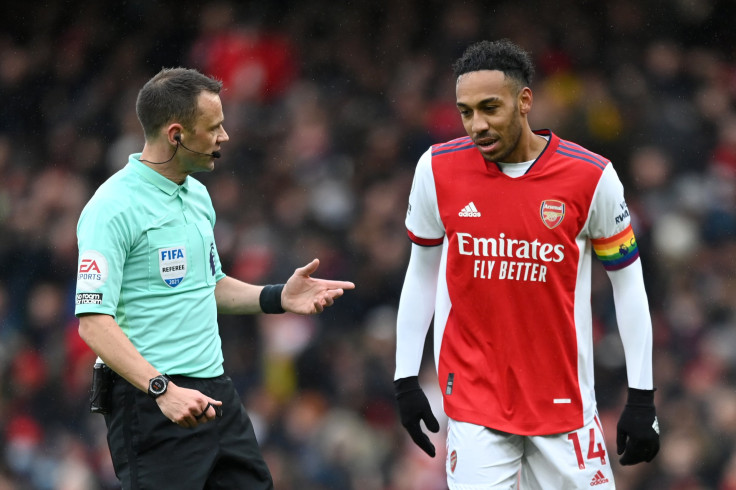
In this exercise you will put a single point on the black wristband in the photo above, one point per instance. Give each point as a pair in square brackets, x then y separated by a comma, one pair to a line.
[270, 299]
[643, 398]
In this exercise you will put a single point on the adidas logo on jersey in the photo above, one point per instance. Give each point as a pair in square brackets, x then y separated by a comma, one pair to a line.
[469, 211]
[598, 479]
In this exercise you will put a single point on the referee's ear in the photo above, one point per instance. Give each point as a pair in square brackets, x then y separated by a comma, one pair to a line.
[173, 133]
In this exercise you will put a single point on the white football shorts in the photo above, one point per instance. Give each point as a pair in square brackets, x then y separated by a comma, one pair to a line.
[479, 458]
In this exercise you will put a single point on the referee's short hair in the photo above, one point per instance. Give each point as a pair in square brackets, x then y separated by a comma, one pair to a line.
[171, 95]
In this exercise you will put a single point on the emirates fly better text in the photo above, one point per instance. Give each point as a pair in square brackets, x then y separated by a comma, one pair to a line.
[533, 269]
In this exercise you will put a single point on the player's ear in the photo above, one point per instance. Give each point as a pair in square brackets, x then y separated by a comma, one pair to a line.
[525, 100]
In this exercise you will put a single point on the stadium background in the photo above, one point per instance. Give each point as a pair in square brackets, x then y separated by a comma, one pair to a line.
[328, 106]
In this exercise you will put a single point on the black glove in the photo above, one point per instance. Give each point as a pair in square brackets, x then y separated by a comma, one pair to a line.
[637, 433]
[413, 407]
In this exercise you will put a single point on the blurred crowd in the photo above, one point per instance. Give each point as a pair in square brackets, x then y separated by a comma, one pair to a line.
[328, 106]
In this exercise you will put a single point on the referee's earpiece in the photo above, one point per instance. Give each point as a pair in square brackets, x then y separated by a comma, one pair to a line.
[177, 137]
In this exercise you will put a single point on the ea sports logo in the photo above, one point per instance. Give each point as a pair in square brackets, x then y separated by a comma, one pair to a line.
[89, 266]
[91, 271]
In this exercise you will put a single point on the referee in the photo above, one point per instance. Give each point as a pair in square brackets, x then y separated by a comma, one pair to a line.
[149, 288]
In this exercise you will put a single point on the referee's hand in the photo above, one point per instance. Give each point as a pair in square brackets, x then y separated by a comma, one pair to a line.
[188, 408]
[307, 295]
[414, 407]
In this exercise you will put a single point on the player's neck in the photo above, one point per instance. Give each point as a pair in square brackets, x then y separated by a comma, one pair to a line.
[530, 146]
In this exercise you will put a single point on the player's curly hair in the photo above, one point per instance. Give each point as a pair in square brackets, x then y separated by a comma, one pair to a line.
[501, 55]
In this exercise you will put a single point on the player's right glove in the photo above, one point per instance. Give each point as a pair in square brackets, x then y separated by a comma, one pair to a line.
[413, 407]
[637, 436]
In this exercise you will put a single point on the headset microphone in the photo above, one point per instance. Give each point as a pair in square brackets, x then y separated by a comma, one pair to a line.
[177, 137]
[214, 154]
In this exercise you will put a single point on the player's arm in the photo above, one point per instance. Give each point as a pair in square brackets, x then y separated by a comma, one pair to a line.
[302, 294]
[614, 243]
[616, 247]
[416, 304]
[416, 307]
[105, 337]
[634, 323]
[637, 437]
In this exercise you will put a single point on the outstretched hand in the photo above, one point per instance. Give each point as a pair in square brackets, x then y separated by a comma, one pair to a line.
[307, 295]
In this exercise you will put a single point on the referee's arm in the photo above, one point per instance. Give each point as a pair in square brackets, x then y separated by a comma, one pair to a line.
[236, 297]
[302, 293]
[104, 336]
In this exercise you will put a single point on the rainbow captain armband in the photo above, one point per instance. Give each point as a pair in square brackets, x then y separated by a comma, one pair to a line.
[618, 251]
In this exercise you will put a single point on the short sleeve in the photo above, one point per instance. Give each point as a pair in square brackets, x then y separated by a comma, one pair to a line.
[103, 246]
[609, 226]
[423, 221]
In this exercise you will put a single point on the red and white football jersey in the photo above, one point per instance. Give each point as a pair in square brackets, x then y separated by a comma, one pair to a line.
[513, 323]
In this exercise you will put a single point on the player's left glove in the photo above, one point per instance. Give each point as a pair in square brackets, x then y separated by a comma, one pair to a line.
[637, 434]
[414, 407]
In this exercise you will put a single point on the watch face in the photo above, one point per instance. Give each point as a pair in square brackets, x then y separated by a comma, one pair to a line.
[157, 385]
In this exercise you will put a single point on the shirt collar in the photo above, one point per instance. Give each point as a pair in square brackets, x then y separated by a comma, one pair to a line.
[155, 178]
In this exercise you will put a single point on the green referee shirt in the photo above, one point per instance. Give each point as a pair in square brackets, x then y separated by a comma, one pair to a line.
[147, 257]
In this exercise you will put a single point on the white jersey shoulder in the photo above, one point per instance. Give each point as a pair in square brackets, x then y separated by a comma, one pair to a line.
[609, 213]
[423, 215]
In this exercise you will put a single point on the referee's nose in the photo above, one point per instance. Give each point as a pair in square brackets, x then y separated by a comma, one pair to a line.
[223, 136]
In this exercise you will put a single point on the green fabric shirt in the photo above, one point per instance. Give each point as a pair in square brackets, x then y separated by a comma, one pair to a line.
[147, 257]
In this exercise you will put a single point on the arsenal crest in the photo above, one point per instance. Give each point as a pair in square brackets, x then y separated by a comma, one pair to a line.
[552, 213]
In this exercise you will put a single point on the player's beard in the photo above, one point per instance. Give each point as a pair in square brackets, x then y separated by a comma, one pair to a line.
[513, 137]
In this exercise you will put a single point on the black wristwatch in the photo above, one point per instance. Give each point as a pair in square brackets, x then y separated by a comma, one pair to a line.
[157, 386]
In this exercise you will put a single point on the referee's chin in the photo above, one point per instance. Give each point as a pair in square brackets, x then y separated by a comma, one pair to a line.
[208, 166]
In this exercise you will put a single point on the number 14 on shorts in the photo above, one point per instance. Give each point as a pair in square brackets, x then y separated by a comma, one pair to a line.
[595, 449]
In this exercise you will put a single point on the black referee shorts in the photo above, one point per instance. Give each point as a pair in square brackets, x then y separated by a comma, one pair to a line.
[151, 452]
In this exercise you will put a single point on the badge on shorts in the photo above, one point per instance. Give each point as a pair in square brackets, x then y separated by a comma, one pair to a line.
[172, 264]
